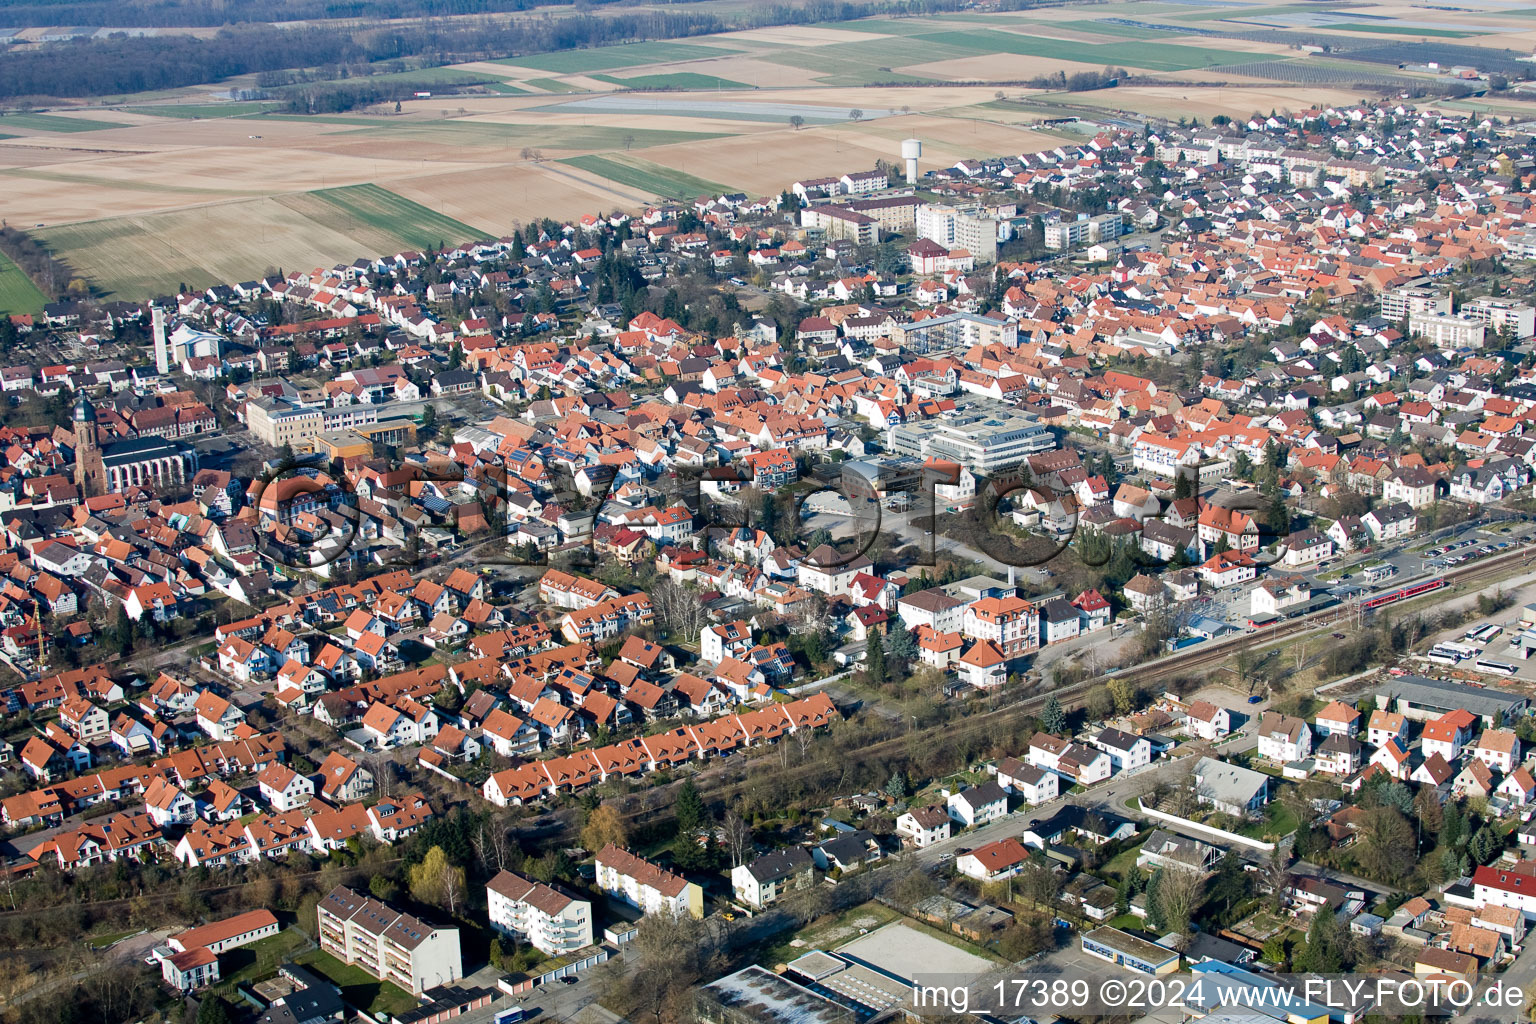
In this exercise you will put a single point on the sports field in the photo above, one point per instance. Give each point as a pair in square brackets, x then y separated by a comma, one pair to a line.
[17, 292]
[648, 177]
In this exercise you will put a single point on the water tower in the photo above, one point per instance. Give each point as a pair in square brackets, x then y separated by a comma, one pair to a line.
[911, 149]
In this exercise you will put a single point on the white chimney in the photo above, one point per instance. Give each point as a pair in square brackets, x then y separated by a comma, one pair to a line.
[162, 350]
[911, 149]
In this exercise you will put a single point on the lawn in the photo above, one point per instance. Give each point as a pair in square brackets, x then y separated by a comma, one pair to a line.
[50, 123]
[681, 80]
[653, 178]
[17, 292]
[106, 939]
[1278, 821]
[358, 988]
[261, 958]
[1120, 863]
[606, 58]
[383, 210]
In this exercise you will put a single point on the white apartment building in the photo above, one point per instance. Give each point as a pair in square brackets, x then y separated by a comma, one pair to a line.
[387, 944]
[959, 227]
[1085, 230]
[645, 886]
[1411, 301]
[1447, 330]
[1501, 313]
[538, 914]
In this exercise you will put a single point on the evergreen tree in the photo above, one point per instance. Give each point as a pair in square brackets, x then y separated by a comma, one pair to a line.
[874, 658]
[900, 642]
[1453, 827]
[213, 1010]
[688, 807]
[1183, 487]
[897, 787]
[1154, 912]
[1053, 719]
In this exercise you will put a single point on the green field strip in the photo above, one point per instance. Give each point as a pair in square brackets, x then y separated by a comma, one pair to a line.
[191, 111]
[876, 76]
[1107, 28]
[553, 85]
[681, 81]
[134, 185]
[323, 118]
[606, 58]
[884, 26]
[418, 226]
[875, 54]
[51, 123]
[1408, 30]
[148, 263]
[507, 89]
[562, 136]
[17, 292]
[1151, 56]
[649, 177]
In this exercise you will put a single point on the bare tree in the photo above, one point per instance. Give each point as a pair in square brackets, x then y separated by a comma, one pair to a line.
[629, 140]
[796, 122]
[1179, 892]
[493, 845]
[679, 610]
[855, 114]
[738, 838]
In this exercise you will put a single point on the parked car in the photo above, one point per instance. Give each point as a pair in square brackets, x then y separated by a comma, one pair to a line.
[1255, 699]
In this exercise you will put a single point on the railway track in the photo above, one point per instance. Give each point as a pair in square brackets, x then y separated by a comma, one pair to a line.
[1205, 656]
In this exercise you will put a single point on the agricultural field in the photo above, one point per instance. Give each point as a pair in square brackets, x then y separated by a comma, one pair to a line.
[606, 58]
[193, 111]
[191, 189]
[52, 123]
[681, 80]
[156, 253]
[17, 292]
[648, 177]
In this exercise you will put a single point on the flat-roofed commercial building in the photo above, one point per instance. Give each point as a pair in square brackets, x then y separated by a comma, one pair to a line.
[1421, 699]
[1126, 950]
[984, 436]
[278, 422]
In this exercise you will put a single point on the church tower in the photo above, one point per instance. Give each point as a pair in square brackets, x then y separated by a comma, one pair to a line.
[90, 472]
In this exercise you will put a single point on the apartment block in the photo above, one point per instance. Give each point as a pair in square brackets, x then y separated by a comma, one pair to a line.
[1410, 301]
[1448, 330]
[1065, 234]
[1499, 314]
[387, 944]
[540, 915]
[959, 227]
[642, 884]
